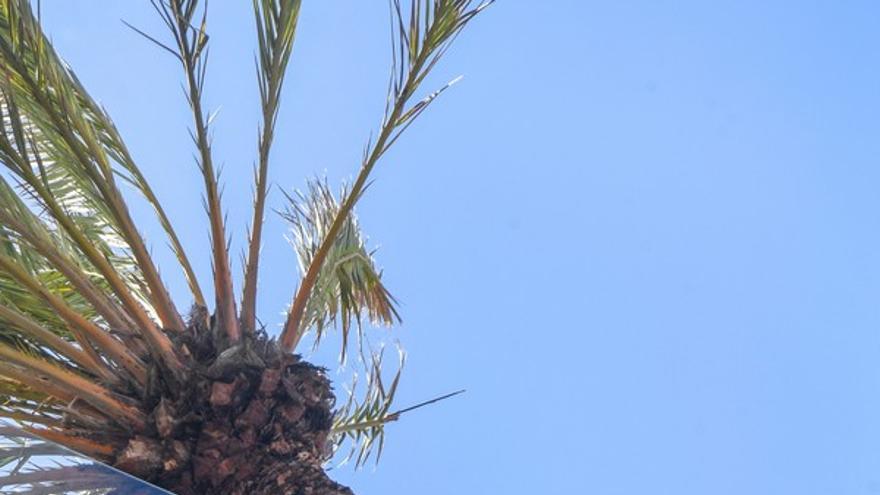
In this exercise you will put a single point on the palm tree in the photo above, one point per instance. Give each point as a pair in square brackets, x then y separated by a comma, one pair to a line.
[95, 354]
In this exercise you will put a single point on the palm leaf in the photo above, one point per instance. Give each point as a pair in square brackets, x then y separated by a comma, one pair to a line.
[51, 142]
[349, 285]
[276, 22]
[361, 422]
[188, 26]
[424, 35]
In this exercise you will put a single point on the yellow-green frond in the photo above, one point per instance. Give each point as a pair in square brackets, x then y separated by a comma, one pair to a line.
[349, 286]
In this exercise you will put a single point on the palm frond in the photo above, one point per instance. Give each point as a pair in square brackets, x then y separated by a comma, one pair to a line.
[187, 22]
[130, 173]
[39, 301]
[423, 35]
[49, 111]
[29, 392]
[349, 285]
[20, 325]
[50, 143]
[28, 231]
[49, 176]
[361, 423]
[276, 28]
[55, 376]
[359, 426]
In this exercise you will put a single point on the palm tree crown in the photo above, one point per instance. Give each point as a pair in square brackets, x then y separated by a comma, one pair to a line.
[96, 355]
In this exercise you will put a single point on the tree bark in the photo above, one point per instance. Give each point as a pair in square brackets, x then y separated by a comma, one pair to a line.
[251, 421]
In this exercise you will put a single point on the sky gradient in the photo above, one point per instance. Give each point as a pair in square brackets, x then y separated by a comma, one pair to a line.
[644, 235]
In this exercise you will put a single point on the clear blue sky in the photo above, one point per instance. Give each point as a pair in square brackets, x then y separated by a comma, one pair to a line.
[644, 235]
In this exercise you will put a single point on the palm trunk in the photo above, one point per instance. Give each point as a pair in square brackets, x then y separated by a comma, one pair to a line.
[251, 420]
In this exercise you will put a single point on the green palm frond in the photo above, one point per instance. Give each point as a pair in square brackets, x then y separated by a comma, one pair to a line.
[276, 22]
[187, 22]
[26, 233]
[361, 423]
[422, 36]
[359, 426]
[50, 177]
[349, 285]
[52, 142]
[57, 134]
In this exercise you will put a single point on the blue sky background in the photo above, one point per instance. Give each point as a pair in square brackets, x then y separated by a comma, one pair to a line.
[644, 235]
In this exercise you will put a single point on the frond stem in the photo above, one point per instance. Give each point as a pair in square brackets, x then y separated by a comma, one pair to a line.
[293, 327]
[92, 393]
[223, 287]
[114, 315]
[34, 330]
[273, 74]
[88, 334]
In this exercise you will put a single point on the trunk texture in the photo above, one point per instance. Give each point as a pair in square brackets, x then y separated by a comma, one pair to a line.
[250, 420]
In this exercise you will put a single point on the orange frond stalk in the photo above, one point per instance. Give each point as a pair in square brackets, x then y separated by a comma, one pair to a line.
[91, 392]
[419, 52]
[36, 382]
[158, 343]
[293, 326]
[32, 329]
[276, 44]
[158, 293]
[145, 188]
[190, 53]
[77, 444]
